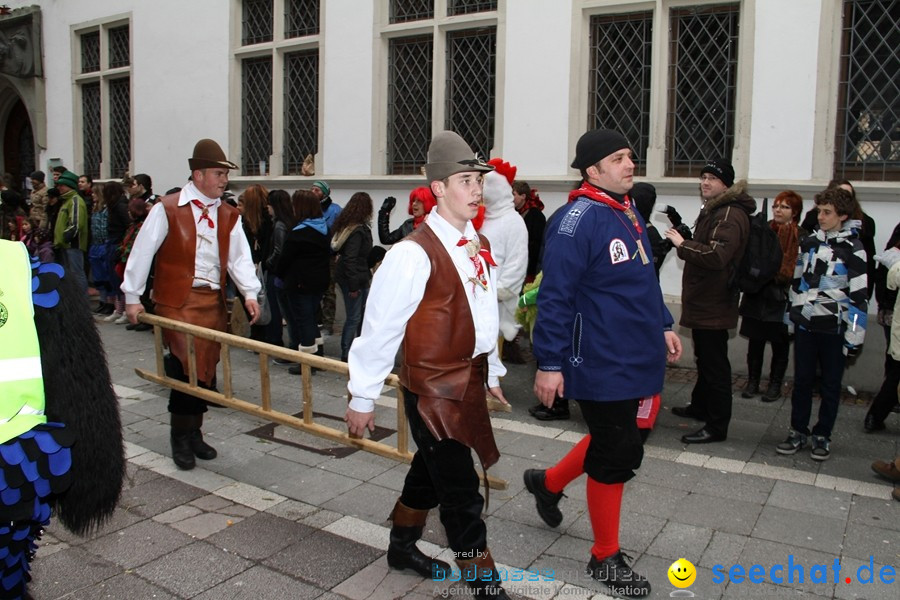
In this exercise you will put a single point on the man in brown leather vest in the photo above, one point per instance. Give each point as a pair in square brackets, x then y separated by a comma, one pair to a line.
[197, 240]
[435, 293]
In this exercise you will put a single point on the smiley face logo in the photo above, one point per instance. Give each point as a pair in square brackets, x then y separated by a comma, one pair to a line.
[682, 573]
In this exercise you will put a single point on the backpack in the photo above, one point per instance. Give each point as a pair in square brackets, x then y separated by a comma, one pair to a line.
[762, 256]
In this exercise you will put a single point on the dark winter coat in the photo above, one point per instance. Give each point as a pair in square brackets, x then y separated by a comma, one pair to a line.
[352, 269]
[535, 222]
[709, 295]
[305, 261]
[388, 237]
[118, 220]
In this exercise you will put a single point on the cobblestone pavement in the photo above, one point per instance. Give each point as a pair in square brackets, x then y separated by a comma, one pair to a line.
[282, 514]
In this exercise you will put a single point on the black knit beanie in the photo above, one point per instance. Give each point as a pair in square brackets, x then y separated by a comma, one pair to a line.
[596, 145]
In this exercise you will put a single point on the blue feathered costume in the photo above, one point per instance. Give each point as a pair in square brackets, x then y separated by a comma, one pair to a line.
[60, 432]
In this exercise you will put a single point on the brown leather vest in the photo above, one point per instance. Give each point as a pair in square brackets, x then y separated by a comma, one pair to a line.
[437, 362]
[175, 257]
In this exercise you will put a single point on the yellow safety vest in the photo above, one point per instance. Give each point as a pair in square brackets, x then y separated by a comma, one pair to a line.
[21, 378]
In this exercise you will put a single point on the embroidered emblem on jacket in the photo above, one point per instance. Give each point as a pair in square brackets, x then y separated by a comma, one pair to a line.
[618, 252]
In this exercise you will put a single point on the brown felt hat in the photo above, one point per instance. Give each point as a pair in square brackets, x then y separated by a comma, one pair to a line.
[449, 154]
[208, 155]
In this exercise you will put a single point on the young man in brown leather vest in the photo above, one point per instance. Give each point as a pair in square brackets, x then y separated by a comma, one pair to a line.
[197, 240]
[435, 294]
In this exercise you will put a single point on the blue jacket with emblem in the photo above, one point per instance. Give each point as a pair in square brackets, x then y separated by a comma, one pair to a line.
[601, 316]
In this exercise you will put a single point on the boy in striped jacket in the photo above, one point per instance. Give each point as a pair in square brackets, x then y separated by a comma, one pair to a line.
[828, 303]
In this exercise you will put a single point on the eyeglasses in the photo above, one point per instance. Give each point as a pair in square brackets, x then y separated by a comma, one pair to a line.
[704, 178]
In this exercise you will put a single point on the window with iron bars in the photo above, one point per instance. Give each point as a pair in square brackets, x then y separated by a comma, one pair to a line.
[619, 88]
[867, 144]
[104, 100]
[467, 99]
[703, 55]
[292, 58]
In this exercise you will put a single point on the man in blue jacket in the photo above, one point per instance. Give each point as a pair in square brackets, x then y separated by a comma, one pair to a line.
[602, 337]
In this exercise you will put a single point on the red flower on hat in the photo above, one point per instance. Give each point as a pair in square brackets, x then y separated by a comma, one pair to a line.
[504, 168]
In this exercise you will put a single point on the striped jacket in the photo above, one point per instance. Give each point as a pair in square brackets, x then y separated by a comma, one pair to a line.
[829, 293]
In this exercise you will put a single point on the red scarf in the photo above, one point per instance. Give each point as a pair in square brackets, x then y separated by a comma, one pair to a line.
[532, 200]
[598, 195]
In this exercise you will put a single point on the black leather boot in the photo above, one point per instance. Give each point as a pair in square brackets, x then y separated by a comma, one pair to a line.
[482, 576]
[180, 438]
[754, 371]
[776, 377]
[405, 532]
[201, 449]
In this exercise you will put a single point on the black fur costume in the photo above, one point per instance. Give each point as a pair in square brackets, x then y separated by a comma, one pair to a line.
[83, 420]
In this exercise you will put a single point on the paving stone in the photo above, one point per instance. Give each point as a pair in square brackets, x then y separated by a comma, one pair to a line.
[824, 503]
[261, 583]
[138, 544]
[293, 510]
[249, 495]
[67, 571]
[366, 501]
[205, 524]
[656, 569]
[723, 548]
[869, 583]
[655, 500]
[359, 465]
[314, 486]
[260, 536]
[799, 529]
[179, 513]
[323, 559]
[863, 541]
[157, 496]
[874, 512]
[734, 485]
[377, 581]
[193, 569]
[677, 540]
[125, 585]
[211, 503]
[720, 514]
[767, 554]
[516, 544]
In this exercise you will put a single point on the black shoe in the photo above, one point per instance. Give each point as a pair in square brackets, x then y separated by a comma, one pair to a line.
[702, 436]
[870, 424]
[408, 556]
[752, 389]
[615, 573]
[773, 391]
[283, 361]
[686, 412]
[131, 326]
[547, 502]
[143, 327]
[295, 370]
[201, 449]
[182, 454]
[557, 412]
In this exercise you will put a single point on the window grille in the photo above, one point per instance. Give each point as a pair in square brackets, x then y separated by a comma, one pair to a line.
[410, 74]
[702, 80]
[464, 7]
[119, 126]
[90, 127]
[867, 144]
[119, 51]
[301, 18]
[256, 114]
[619, 89]
[257, 21]
[301, 108]
[471, 74]
[90, 52]
[402, 11]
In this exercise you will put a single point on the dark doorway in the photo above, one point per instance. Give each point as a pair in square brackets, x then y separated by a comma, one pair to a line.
[18, 146]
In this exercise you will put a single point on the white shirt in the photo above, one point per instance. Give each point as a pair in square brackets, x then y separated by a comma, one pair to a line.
[396, 292]
[206, 259]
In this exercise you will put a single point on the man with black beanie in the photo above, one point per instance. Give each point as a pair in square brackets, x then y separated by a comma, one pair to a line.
[593, 346]
[709, 294]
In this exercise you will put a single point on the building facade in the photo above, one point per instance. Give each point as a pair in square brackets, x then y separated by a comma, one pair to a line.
[351, 91]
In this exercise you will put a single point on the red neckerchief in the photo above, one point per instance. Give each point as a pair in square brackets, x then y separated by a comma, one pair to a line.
[595, 193]
[531, 201]
[205, 212]
[474, 250]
